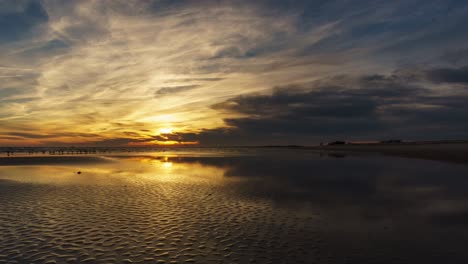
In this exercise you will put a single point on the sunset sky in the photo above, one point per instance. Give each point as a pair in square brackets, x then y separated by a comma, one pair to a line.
[117, 73]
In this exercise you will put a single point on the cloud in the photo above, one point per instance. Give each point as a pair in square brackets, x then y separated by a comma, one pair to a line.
[47, 135]
[196, 80]
[19, 20]
[348, 107]
[175, 89]
[449, 75]
[456, 57]
[84, 66]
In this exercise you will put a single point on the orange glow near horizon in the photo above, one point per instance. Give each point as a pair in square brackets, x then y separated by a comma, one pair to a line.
[162, 143]
[130, 82]
[154, 73]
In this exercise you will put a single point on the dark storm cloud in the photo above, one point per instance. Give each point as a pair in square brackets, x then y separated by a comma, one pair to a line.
[449, 75]
[20, 18]
[318, 112]
[455, 57]
[325, 109]
[371, 106]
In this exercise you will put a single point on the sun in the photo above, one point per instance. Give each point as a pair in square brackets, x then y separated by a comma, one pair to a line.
[165, 130]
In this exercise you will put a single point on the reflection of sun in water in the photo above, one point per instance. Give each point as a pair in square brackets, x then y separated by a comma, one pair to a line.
[167, 164]
[165, 130]
[169, 168]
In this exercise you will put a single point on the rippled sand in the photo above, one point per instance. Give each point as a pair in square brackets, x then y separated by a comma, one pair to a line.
[245, 209]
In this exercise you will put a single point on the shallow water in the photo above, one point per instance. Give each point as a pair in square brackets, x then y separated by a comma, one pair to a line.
[269, 206]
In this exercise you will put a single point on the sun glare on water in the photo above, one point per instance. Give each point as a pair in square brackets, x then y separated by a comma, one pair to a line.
[167, 164]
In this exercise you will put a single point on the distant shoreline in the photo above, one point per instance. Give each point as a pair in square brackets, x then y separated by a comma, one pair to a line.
[447, 151]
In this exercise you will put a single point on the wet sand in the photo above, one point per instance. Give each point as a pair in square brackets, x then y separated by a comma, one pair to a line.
[283, 206]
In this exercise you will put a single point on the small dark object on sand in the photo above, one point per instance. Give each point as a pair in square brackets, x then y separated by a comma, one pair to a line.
[78, 172]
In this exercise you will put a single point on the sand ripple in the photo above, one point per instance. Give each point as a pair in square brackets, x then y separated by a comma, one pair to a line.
[237, 209]
[155, 222]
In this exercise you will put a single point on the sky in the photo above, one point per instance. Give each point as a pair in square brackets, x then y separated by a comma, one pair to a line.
[162, 72]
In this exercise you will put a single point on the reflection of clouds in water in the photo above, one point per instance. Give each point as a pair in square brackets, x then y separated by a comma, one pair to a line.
[406, 205]
[114, 171]
[368, 188]
[386, 206]
[371, 189]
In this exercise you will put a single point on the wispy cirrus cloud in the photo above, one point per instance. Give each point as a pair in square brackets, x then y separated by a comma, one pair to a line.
[84, 66]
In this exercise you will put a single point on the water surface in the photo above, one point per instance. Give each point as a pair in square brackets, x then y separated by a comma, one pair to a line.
[262, 206]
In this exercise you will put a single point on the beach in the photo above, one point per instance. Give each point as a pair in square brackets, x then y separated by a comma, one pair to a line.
[256, 206]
